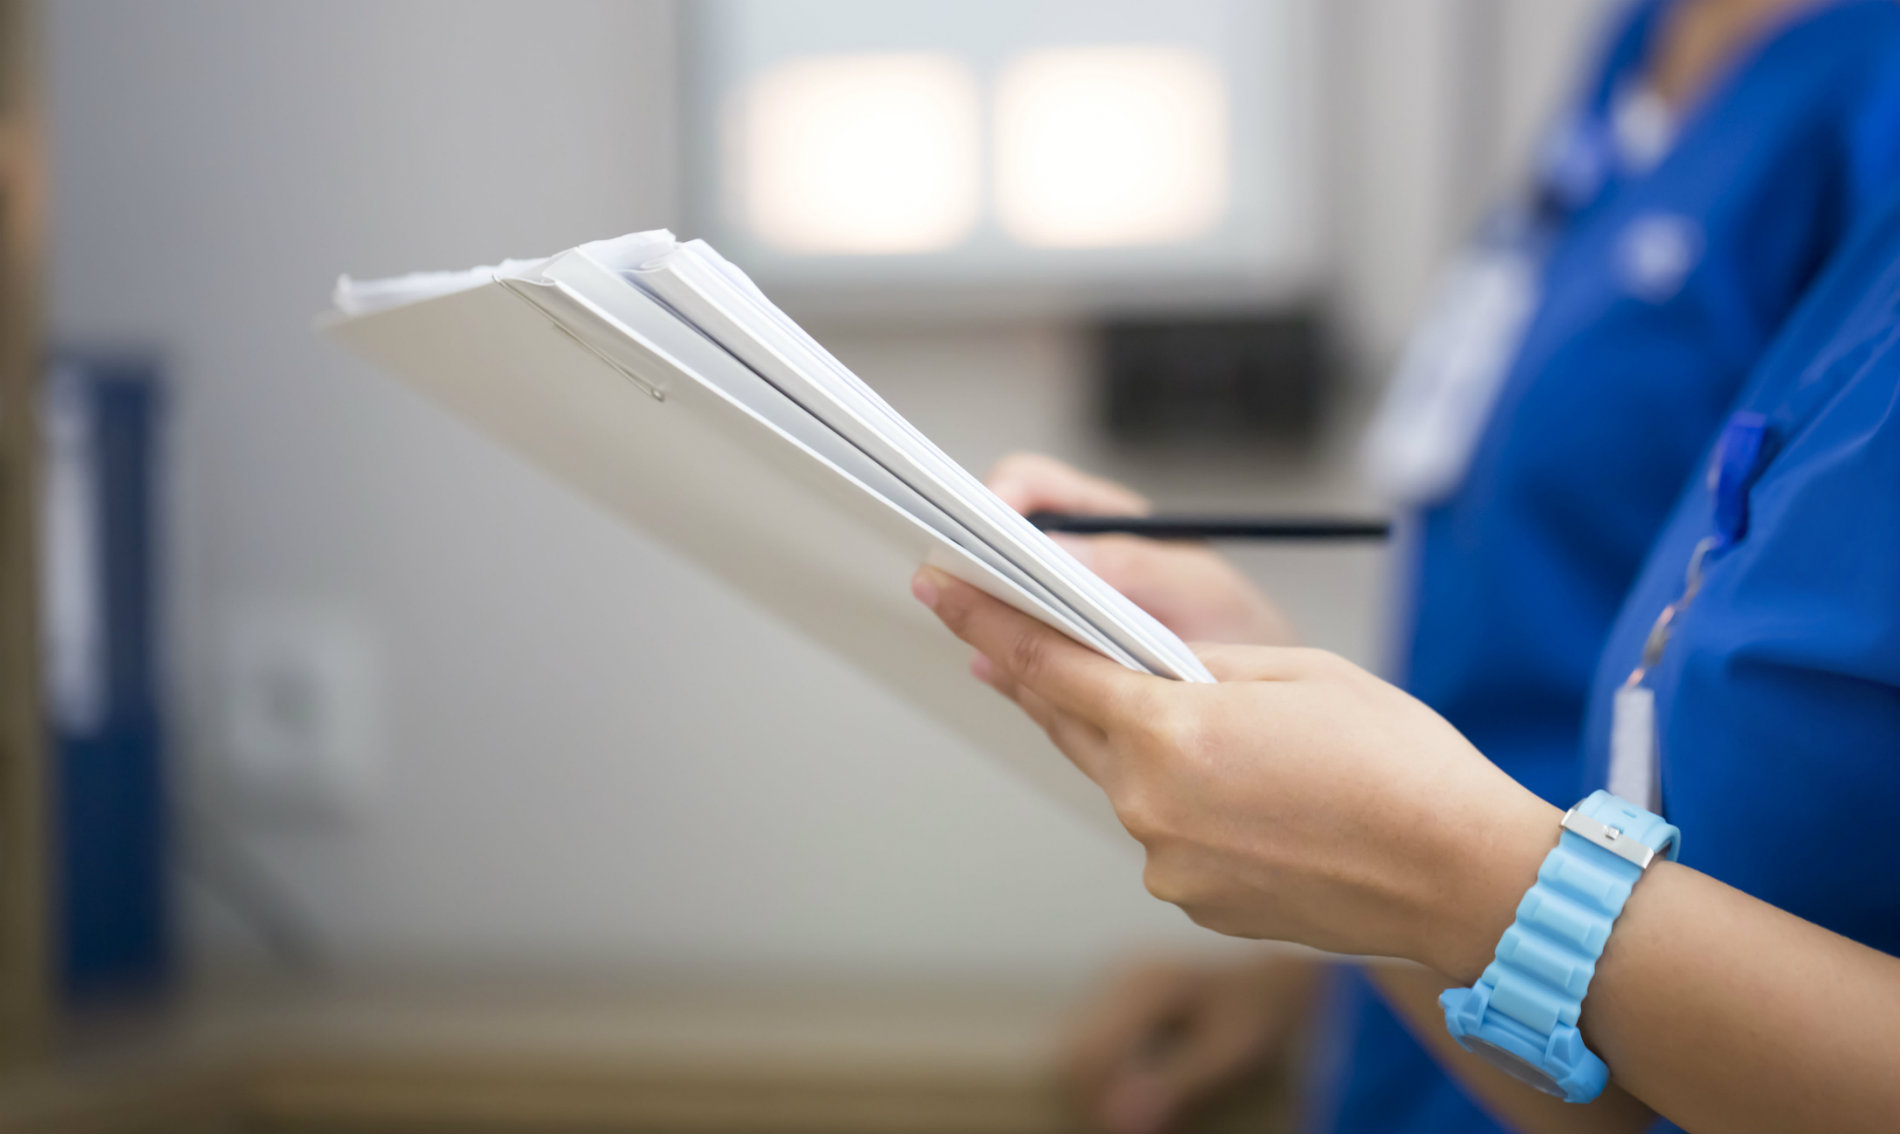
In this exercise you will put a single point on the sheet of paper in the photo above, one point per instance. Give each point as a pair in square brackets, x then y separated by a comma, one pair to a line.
[705, 475]
[716, 298]
[655, 379]
[577, 294]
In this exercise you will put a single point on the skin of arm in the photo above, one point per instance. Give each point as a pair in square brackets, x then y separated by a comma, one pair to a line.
[1699, 38]
[1302, 799]
[1202, 598]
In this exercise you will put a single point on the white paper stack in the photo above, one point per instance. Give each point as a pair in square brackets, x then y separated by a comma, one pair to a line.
[655, 378]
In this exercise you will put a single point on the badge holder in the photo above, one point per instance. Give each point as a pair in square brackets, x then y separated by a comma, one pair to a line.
[1635, 767]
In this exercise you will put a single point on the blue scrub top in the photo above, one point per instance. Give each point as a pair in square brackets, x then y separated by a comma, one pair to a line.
[1617, 386]
[1778, 692]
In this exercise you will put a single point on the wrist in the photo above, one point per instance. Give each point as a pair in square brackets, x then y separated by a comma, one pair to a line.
[1493, 866]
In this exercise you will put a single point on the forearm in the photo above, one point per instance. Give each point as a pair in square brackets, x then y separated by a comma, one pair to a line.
[1717, 1010]
[1724, 1012]
[1301, 799]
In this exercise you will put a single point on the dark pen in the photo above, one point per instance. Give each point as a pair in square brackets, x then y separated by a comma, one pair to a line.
[1215, 527]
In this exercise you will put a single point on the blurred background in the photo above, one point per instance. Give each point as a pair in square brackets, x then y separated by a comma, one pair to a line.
[362, 735]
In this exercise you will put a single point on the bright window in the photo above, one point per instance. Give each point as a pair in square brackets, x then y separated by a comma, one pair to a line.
[1110, 146]
[866, 153]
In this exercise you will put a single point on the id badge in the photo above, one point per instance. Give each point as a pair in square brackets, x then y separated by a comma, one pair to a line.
[1634, 774]
[1423, 436]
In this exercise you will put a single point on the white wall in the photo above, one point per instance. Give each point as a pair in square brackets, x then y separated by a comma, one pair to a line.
[590, 754]
[1433, 107]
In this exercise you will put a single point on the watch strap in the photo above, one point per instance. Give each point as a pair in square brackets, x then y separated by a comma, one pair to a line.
[1547, 958]
[1526, 1005]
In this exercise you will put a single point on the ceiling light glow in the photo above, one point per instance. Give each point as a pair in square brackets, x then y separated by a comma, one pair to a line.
[874, 153]
[1110, 146]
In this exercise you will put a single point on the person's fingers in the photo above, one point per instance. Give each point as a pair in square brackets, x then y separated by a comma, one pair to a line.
[1124, 562]
[1084, 744]
[1140, 1008]
[1218, 1049]
[1262, 663]
[1150, 1098]
[1031, 482]
[1208, 1045]
[1080, 547]
[1140, 569]
[1137, 1103]
[1028, 653]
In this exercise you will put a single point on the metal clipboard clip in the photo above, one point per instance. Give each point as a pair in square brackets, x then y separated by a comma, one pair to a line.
[519, 289]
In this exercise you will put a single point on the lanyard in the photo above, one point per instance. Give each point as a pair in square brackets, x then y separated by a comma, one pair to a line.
[1635, 770]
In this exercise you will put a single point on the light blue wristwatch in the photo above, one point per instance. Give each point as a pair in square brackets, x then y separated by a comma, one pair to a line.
[1521, 1016]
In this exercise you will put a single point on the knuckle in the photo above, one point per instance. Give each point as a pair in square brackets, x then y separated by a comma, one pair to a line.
[1182, 887]
[1169, 730]
[1028, 655]
[953, 608]
[1140, 815]
[1161, 882]
[1170, 882]
[1148, 809]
